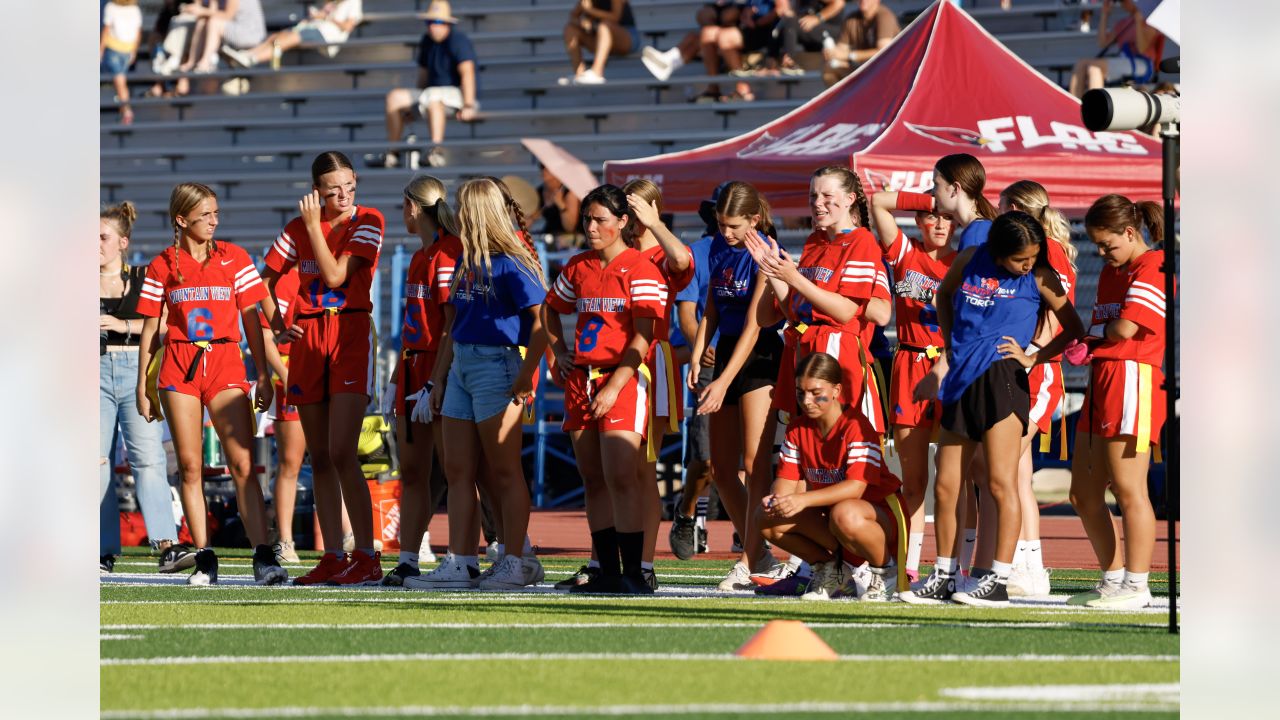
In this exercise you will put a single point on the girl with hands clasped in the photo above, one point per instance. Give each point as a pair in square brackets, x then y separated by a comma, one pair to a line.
[618, 295]
[988, 306]
[740, 395]
[207, 288]
[832, 491]
[335, 244]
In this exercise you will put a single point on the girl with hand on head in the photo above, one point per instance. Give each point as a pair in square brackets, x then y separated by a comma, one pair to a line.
[335, 245]
[618, 295]
[739, 398]
[988, 305]
[1124, 408]
[832, 491]
[207, 288]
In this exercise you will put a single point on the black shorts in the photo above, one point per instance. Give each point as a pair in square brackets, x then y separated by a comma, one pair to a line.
[697, 444]
[760, 369]
[1001, 391]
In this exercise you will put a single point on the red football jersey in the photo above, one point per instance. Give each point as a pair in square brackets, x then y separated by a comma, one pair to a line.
[846, 265]
[851, 451]
[286, 302]
[1134, 293]
[426, 291]
[675, 283]
[879, 291]
[916, 279]
[1061, 264]
[206, 303]
[361, 236]
[607, 300]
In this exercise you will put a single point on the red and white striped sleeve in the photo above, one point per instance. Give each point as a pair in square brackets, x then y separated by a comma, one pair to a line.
[863, 461]
[283, 254]
[248, 286]
[648, 291]
[366, 238]
[789, 455]
[151, 297]
[861, 262]
[1144, 300]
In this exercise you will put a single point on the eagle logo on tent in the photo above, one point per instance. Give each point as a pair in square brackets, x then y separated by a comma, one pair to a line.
[949, 136]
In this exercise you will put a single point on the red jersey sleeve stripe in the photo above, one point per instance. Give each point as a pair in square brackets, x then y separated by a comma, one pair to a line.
[284, 246]
[898, 250]
[1154, 291]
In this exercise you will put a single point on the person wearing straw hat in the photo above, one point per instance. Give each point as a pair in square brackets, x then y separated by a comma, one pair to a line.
[446, 79]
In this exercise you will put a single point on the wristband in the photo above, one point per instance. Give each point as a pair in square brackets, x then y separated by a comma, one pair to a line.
[920, 202]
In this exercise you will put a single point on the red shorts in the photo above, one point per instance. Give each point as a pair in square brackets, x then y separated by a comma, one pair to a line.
[415, 371]
[630, 411]
[909, 368]
[1047, 391]
[1125, 397]
[845, 347]
[334, 355]
[221, 368]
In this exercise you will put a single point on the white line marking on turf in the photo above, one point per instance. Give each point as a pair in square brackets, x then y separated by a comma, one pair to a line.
[468, 657]
[844, 708]
[1168, 692]
[119, 637]
[590, 625]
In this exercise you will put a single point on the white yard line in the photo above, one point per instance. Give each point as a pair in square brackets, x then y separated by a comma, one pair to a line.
[1166, 692]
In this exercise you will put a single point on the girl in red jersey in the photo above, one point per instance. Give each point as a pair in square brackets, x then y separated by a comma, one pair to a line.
[335, 245]
[747, 356]
[618, 295]
[207, 287]
[426, 294]
[666, 393]
[1124, 409]
[848, 497]
[918, 268]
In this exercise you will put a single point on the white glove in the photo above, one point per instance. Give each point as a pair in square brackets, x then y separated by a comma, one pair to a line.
[387, 405]
[422, 405]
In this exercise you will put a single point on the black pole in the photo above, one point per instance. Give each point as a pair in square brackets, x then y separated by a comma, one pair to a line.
[1169, 133]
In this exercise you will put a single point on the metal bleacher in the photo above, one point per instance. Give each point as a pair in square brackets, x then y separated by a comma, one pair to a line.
[254, 146]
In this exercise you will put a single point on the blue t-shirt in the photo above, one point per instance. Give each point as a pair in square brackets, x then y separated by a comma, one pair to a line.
[989, 304]
[975, 234]
[696, 290]
[490, 311]
[441, 60]
[732, 273]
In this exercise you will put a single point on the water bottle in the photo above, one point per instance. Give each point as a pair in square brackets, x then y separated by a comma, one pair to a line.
[829, 43]
[414, 155]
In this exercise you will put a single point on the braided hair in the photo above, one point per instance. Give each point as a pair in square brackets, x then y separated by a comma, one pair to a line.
[850, 183]
[184, 198]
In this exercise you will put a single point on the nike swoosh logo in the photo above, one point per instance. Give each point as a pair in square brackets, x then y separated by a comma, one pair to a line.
[227, 262]
[349, 382]
[615, 420]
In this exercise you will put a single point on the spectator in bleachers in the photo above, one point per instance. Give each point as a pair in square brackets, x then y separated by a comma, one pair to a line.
[866, 32]
[804, 24]
[446, 77]
[559, 210]
[236, 23]
[711, 20]
[753, 33]
[1130, 52]
[328, 26]
[605, 27]
[168, 40]
[118, 47]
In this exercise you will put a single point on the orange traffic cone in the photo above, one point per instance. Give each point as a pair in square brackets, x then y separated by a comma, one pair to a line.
[786, 640]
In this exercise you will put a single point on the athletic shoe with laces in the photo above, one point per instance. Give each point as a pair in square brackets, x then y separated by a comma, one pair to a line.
[363, 570]
[1127, 597]
[828, 578]
[1101, 589]
[206, 572]
[602, 584]
[266, 569]
[793, 585]
[772, 573]
[882, 583]
[508, 574]
[683, 537]
[286, 553]
[636, 585]
[582, 577]
[532, 568]
[935, 590]
[396, 577]
[491, 552]
[176, 558]
[588, 77]
[1025, 582]
[969, 581]
[450, 573]
[650, 578]
[739, 578]
[656, 63]
[424, 551]
[330, 564]
[991, 592]
[106, 564]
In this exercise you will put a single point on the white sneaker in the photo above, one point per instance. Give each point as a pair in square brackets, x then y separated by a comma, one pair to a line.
[828, 578]
[533, 572]
[451, 573]
[1028, 583]
[656, 63]
[508, 574]
[491, 552]
[424, 553]
[861, 578]
[881, 586]
[588, 77]
[1100, 590]
[1125, 597]
[739, 578]
[239, 57]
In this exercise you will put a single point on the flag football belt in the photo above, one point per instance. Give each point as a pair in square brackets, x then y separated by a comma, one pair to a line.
[201, 347]
[331, 311]
[929, 351]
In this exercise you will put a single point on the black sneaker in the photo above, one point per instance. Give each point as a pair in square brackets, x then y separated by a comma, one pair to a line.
[638, 584]
[176, 558]
[683, 537]
[991, 592]
[650, 578]
[737, 544]
[396, 577]
[206, 573]
[584, 575]
[703, 548]
[935, 590]
[266, 568]
[381, 160]
[106, 564]
[602, 584]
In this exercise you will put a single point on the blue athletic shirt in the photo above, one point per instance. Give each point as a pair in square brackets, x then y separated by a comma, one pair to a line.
[695, 291]
[490, 311]
[733, 276]
[975, 234]
[989, 304]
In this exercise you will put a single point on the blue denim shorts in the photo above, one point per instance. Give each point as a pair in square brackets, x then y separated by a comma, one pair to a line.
[114, 62]
[480, 380]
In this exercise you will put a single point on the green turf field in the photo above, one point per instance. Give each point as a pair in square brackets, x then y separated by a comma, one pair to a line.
[170, 651]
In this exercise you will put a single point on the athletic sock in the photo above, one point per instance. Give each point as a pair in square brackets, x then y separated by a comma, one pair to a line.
[1020, 553]
[1034, 558]
[1137, 580]
[804, 569]
[644, 565]
[606, 545]
[411, 558]
[1001, 570]
[1113, 577]
[915, 543]
[631, 547]
[945, 566]
[472, 560]
[966, 549]
[675, 58]
[593, 564]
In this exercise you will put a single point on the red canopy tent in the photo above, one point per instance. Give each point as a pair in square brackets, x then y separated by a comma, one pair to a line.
[944, 85]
